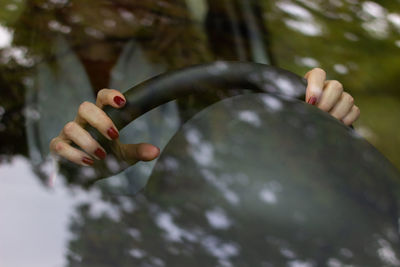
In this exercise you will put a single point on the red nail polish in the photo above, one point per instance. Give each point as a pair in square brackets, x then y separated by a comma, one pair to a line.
[119, 101]
[100, 153]
[312, 100]
[87, 161]
[112, 133]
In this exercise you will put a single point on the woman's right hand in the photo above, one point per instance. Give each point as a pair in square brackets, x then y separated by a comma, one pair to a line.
[74, 132]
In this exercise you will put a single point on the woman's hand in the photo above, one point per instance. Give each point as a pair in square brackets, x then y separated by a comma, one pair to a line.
[330, 97]
[74, 132]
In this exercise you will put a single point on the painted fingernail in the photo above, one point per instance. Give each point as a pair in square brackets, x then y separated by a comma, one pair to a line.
[100, 153]
[87, 161]
[112, 133]
[119, 101]
[312, 100]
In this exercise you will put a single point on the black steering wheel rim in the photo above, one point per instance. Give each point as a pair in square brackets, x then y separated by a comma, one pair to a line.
[198, 79]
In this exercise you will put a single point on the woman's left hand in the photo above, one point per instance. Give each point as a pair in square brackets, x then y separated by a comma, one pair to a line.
[329, 96]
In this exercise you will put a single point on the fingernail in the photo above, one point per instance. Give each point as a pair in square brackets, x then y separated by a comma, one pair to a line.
[119, 101]
[312, 100]
[87, 161]
[100, 153]
[112, 133]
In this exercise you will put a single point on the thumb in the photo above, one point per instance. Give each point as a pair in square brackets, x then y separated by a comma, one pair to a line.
[133, 153]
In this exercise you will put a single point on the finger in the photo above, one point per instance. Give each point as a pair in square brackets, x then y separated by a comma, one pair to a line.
[352, 116]
[331, 95]
[90, 113]
[65, 150]
[315, 83]
[74, 132]
[343, 106]
[139, 152]
[110, 97]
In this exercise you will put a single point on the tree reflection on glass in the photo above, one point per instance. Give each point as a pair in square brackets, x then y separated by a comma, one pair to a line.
[357, 43]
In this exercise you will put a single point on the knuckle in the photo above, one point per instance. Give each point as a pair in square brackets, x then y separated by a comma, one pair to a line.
[69, 128]
[319, 71]
[357, 110]
[346, 96]
[337, 85]
[58, 146]
[84, 107]
[53, 143]
[102, 92]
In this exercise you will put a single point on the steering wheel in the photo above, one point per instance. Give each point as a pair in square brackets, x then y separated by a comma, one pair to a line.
[220, 76]
[198, 79]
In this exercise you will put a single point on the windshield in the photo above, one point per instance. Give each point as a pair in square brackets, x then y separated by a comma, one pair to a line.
[242, 194]
[56, 54]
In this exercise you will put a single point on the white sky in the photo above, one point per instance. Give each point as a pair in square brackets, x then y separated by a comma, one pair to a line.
[34, 219]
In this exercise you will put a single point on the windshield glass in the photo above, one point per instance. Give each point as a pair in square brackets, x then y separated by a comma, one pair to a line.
[242, 194]
[56, 54]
